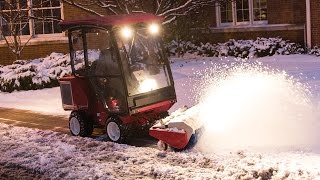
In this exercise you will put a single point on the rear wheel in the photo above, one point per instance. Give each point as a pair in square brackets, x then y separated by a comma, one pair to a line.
[116, 130]
[79, 124]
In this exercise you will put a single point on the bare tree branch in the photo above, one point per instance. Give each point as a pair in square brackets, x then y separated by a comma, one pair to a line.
[168, 9]
[71, 2]
[15, 17]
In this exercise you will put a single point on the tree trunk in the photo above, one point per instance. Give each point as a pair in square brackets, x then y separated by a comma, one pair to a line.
[16, 47]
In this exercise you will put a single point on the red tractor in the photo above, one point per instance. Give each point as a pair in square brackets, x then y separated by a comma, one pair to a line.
[121, 77]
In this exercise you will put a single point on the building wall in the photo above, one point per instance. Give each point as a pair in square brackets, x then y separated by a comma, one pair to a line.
[33, 51]
[315, 22]
[286, 11]
[71, 12]
[279, 12]
[42, 48]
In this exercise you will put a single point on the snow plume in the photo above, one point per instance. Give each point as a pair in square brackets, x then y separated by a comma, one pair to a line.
[248, 105]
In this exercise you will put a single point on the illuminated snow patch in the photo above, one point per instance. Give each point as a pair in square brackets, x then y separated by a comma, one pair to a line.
[245, 105]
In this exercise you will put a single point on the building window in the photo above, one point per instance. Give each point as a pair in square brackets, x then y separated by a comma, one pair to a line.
[45, 17]
[14, 11]
[50, 10]
[226, 12]
[242, 8]
[242, 12]
[260, 10]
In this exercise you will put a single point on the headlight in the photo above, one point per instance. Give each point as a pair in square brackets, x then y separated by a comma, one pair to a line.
[154, 29]
[126, 32]
[148, 85]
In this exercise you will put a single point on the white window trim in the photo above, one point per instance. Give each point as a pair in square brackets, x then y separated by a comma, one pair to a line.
[234, 17]
[31, 24]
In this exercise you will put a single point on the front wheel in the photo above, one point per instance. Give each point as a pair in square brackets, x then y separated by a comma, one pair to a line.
[162, 145]
[79, 124]
[116, 130]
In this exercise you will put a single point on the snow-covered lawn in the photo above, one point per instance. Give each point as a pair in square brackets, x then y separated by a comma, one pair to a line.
[48, 101]
[61, 156]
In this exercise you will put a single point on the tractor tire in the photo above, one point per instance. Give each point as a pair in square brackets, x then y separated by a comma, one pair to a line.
[79, 124]
[116, 130]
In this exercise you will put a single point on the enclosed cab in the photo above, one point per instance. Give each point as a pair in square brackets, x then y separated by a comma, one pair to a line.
[121, 76]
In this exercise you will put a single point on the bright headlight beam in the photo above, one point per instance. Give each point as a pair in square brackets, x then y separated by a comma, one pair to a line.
[126, 32]
[148, 85]
[154, 28]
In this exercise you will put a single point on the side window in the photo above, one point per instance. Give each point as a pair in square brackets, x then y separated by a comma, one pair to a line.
[104, 71]
[101, 56]
[78, 52]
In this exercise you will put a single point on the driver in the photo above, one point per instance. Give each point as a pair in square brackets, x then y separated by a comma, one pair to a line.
[106, 71]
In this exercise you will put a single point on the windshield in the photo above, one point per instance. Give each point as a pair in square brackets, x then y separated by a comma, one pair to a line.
[143, 62]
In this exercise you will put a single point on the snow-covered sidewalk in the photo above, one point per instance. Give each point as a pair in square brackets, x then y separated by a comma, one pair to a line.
[60, 156]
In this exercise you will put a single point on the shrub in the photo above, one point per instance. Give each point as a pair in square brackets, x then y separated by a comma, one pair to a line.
[35, 74]
[45, 72]
[315, 51]
[260, 47]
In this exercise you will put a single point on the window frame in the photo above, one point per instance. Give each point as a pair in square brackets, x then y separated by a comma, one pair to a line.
[260, 21]
[32, 28]
[234, 16]
[218, 10]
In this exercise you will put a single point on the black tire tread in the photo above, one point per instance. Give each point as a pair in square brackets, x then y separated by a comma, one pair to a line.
[86, 126]
[123, 129]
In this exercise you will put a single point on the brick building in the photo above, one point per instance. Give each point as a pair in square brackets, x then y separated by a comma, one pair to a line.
[296, 20]
[46, 35]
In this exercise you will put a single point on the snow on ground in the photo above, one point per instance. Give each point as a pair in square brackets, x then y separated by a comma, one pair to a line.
[52, 155]
[306, 68]
[60, 156]
[48, 101]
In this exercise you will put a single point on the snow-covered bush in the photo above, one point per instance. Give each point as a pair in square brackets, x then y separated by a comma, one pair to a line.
[35, 74]
[39, 73]
[315, 51]
[45, 72]
[239, 48]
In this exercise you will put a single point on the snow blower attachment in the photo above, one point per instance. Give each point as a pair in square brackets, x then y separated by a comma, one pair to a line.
[178, 131]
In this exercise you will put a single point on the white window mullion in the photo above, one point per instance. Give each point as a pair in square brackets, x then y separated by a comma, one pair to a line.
[51, 20]
[234, 13]
[31, 20]
[251, 17]
[61, 9]
[218, 15]
[1, 28]
[247, 13]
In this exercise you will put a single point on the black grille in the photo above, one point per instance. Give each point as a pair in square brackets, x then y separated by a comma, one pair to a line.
[66, 94]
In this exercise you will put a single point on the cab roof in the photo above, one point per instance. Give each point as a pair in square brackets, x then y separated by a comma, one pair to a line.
[112, 20]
